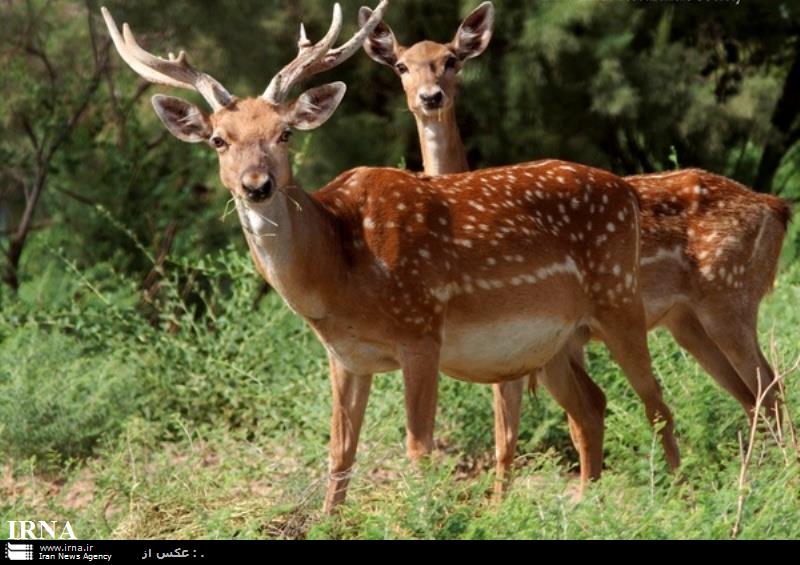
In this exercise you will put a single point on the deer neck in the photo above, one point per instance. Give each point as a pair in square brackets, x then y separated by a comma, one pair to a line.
[294, 244]
[442, 149]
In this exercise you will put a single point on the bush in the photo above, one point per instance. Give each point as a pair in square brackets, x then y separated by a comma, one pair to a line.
[59, 399]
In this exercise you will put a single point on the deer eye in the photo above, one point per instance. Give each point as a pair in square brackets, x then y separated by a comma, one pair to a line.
[285, 136]
[450, 63]
[218, 142]
[401, 68]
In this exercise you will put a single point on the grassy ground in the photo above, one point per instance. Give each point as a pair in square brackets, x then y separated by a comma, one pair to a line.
[200, 416]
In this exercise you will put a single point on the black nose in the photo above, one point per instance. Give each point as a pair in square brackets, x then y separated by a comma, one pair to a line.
[257, 186]
[432, 100]
[260, 193]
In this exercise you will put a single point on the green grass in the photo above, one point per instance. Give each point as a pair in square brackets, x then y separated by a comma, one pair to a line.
[207, 417]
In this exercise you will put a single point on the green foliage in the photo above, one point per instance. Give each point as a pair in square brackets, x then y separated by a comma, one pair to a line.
[206, 417]
[169, 399]
[58, 399]
[612, 84]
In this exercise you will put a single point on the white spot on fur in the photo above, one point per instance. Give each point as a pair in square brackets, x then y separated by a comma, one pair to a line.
[674, 254]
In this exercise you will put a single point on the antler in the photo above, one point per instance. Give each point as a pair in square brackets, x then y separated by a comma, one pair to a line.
[175, 71]
[314, 59]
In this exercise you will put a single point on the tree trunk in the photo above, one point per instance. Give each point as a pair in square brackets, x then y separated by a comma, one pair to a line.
[17, 243]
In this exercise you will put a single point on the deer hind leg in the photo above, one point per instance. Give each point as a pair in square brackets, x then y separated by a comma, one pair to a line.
[735, 335]
[350, 395]
[774, 409]
[566, 380]
[420, 366]
[690, 335]
[624, 333]
[507, 404]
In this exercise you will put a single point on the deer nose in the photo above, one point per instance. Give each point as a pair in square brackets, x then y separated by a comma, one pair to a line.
[432, 100]
[257, 185]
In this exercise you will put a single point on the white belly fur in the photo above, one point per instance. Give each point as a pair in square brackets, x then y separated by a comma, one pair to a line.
[471, 352]
[494, 352]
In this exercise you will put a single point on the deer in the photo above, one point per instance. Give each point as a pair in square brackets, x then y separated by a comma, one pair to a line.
[429, 74]
[480, 275]
[710, 251]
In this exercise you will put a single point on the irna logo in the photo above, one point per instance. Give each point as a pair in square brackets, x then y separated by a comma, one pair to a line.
[28, 529]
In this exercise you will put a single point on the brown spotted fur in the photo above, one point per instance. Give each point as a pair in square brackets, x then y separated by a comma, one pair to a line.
[710, 249]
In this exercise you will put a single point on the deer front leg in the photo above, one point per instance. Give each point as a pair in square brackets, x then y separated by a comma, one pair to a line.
[350, 395]
[420, 365]
[507, 403]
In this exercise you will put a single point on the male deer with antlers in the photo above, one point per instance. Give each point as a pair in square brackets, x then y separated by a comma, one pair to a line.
[484, 275]
[710, 250]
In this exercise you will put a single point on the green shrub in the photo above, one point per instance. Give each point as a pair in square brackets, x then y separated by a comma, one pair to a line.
[59, 399]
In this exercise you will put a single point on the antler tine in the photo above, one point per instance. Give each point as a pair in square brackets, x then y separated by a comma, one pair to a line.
[175, 71]
[303, 42]
[282, 83]
[341, 54]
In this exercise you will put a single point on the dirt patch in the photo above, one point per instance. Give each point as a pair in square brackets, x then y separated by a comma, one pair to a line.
[39, 490]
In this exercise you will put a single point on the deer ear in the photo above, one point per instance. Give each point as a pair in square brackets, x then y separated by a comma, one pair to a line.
[315, 106]
[183, 120]
[475, 33]
[381, 44]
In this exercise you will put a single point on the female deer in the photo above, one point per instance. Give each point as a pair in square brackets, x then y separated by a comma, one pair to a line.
[429, 71]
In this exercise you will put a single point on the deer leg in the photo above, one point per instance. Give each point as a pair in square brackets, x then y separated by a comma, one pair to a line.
[507, 404]
[585, 404]
[625, 335]
[350, 395]
[690, 335]
[592, 457]
[421, 376]
[735, 335]
[774, 410]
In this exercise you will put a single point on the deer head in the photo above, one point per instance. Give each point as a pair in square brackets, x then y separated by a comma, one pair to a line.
[428, 69]
[250, 135]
